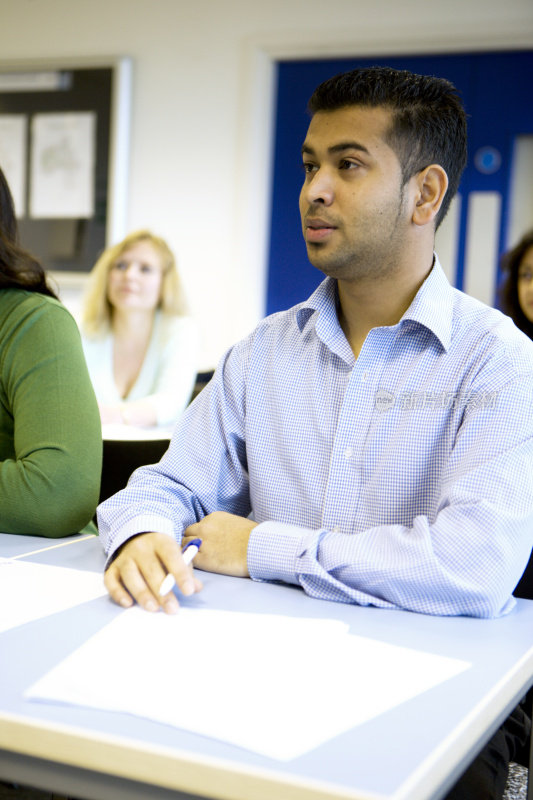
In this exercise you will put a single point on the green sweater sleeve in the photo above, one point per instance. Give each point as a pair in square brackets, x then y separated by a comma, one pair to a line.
[50, 434]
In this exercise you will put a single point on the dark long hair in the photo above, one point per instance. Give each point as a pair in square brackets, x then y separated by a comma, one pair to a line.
[18, 268]
[510, 264]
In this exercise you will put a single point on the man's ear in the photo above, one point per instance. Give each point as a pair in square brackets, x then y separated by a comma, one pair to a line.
[431, 185]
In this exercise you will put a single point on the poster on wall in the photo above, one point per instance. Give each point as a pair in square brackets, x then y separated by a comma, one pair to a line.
[13, 128]
[62, 165]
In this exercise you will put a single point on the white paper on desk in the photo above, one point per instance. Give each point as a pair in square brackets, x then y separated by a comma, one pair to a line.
[30, 591]
[279, 686]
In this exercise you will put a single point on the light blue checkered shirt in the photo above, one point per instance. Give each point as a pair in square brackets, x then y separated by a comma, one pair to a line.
[402, 479]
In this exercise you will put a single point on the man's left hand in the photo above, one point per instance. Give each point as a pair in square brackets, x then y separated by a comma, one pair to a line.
[224, 543]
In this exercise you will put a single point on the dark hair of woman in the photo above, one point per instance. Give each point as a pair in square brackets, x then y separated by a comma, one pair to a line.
[18, 268]
[510, 264]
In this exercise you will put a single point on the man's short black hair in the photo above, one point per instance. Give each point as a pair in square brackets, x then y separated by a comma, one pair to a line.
[428, 122]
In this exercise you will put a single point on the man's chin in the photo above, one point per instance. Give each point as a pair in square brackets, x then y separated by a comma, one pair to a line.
[319, 259]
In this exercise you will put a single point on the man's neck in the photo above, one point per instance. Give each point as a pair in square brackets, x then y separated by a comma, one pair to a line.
[372, 303]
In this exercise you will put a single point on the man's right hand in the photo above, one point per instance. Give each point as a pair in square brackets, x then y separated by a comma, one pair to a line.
[138, 570]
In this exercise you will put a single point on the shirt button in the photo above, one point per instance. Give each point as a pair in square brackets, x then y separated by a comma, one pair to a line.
[365, 376]
[348, 453]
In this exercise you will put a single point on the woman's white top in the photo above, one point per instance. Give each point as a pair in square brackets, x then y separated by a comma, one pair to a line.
[168, 372]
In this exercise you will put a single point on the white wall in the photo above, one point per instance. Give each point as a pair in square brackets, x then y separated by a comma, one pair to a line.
[201, 108]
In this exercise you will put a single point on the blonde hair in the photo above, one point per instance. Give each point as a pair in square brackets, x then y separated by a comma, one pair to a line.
[97, 310]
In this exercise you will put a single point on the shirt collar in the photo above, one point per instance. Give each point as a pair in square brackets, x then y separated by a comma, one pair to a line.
[323, 299]
[321, 307]
[432, 306]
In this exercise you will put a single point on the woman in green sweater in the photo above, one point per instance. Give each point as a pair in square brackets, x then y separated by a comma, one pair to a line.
[50, 435]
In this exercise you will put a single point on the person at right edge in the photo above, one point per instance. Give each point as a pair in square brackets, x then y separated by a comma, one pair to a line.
[374, 444]
[516, 293]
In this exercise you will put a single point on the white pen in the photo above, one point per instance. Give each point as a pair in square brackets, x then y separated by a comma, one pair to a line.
[188, 553]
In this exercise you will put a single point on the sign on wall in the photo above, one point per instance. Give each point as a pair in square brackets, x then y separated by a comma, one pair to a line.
[64, 136]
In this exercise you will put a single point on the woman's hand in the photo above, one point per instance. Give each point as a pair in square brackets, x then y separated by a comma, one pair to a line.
[111, 415]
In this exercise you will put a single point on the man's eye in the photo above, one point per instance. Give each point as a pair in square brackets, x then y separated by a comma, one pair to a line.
[347, 164]
[308, 167]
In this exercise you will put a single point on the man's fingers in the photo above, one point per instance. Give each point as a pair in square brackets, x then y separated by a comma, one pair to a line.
[171, 559]
[115, 588]
[137, 582]
[139, 573]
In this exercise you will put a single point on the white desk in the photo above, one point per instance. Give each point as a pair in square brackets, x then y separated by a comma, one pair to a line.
[413, 752]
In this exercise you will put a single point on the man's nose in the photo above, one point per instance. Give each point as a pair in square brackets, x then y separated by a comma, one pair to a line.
[319, 188]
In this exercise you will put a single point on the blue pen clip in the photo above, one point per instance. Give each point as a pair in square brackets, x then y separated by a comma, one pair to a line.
[193, 543]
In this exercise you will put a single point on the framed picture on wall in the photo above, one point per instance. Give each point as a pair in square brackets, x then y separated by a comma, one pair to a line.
[64, 147]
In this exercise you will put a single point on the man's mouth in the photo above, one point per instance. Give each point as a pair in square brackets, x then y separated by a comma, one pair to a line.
[317, 229]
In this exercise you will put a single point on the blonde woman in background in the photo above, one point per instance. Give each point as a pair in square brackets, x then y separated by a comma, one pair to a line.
[139, 343]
